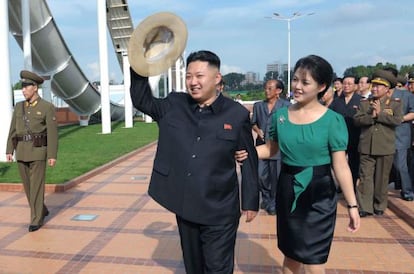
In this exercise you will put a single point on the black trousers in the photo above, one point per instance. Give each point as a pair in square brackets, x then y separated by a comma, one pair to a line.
[207, 248]
[269, 171]
[354, 162]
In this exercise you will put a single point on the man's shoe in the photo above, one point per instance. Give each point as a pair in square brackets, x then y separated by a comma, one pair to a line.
[33, 228]
[363, 214]
[378, 212]
[408, 198]
[271, 211]
[45, 212]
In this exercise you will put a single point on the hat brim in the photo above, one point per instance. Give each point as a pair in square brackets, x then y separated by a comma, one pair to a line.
[381, 82]
[157, 43]
[28, 81]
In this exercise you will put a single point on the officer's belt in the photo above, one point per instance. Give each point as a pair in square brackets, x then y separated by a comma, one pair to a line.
[25, 138]
[29, 137]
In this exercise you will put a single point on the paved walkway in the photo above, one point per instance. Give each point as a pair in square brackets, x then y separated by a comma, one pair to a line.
[120, 229]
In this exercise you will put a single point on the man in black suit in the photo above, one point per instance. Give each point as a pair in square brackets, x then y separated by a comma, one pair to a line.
[194, 173]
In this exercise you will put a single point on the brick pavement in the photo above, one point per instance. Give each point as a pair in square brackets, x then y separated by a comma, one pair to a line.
[132, 234]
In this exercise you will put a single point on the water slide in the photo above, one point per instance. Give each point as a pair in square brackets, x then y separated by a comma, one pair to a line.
[51, 56]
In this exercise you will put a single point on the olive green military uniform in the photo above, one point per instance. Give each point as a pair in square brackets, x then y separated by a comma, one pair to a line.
[41, 121]
[377, 148]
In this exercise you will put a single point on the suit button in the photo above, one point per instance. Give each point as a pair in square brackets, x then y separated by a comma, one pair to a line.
[198, 139]
[188, 174]
[193, 156]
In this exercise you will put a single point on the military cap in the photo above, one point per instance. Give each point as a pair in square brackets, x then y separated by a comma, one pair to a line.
[401, 80]
[411, 77]
[29, 77]
[384, 77]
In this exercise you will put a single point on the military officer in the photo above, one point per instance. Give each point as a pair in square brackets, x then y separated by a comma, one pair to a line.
[33, 136]
[411, 152]
[378, 117]
[403, 138]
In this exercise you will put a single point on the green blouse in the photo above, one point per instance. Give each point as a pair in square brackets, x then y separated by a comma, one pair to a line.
[308, 145]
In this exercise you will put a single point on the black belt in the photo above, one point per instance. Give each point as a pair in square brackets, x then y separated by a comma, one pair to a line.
[25, 138]
[317, 170]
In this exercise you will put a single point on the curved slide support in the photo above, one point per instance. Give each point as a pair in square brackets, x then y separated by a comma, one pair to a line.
[51, 56]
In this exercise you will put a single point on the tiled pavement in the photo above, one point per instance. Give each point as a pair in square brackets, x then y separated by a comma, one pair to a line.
[133, 234]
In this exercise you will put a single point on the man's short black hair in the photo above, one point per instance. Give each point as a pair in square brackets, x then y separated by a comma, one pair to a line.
[356, 80]
[279, 84]
[205, 56]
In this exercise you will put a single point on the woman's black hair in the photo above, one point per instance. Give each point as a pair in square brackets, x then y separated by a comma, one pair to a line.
[319, 69]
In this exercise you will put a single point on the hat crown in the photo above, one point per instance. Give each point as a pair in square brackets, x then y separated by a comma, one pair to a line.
[30, 77]
[411, 76]
[156, 43]
[384, 77]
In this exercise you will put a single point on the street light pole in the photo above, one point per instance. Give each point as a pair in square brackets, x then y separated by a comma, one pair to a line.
[294, 16]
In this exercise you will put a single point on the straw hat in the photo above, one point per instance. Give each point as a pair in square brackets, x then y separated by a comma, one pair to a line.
[156, 43]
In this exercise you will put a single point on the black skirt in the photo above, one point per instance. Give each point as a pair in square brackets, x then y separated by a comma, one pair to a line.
[306, 233]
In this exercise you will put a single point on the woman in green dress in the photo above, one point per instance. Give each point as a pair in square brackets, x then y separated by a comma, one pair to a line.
[312, 140]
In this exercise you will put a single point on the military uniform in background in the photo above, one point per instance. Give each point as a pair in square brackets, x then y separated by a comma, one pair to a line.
[403, 145]
[33, 136]
[377, 147]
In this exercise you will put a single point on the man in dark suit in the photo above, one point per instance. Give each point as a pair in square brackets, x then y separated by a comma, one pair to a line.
[194, 173]
[269, 169]
[347, 104]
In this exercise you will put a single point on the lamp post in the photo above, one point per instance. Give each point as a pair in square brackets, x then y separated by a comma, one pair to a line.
[295, 15]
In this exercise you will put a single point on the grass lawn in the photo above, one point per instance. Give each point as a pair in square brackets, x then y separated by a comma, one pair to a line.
[82, 149]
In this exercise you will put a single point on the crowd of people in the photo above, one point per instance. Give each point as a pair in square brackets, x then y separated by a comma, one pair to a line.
[349, 136]
[379, 111]
[380, 143]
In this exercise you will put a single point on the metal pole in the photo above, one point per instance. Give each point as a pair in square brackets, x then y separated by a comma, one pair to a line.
[6, 104]
[103, 64]
[295, 15]
[127, 96]
[288, 72]
[170, 82]
[177, 75]
[26, 32]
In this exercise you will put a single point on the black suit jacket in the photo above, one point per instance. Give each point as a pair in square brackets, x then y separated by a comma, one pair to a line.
[348, 111]
[194, 173]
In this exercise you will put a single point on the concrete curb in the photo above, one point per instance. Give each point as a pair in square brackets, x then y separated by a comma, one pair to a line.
[50, 188]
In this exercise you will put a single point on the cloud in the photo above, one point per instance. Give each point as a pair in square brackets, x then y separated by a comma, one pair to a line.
[347, 33]
[226, 69]
[93, 71]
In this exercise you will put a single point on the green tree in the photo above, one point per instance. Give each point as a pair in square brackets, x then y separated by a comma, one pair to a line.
[18, 85]
[362, 70]
[271, 75]
[254, 95]
[233, 80]
[405, 69]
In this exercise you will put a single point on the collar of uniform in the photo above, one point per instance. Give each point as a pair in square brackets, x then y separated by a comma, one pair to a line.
[218, 103]
[215, 106]
[27, 104]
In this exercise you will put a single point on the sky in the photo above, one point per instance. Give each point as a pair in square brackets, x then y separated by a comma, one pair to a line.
[346, 33]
